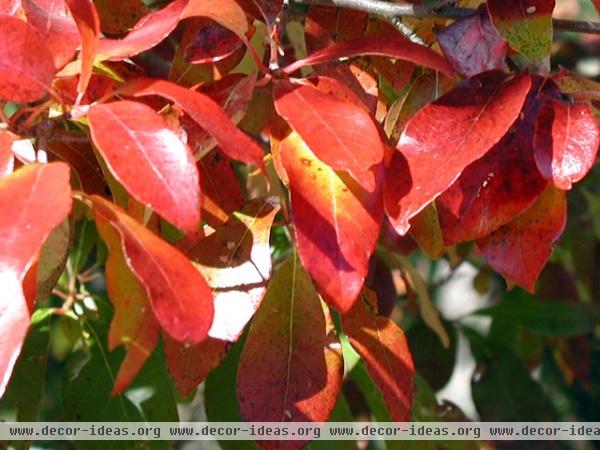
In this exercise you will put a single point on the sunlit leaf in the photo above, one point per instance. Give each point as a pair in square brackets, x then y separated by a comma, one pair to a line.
[383, 346]
[336, 222]
[180, 297]
[566, 142]
[520, 249]
[446, 136]
[149, 159]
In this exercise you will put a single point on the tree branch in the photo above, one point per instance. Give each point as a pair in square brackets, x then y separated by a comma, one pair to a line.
[391, 10]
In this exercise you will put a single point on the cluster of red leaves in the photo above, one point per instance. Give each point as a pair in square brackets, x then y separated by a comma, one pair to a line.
[489, 161]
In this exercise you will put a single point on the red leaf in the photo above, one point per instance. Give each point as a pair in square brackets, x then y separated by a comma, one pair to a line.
[149, 159]
[495, 189]
[33, 201]
[597, 5]
[120, 16]
[88, 23]
[6, 154]
[269, 9]
[384, 348]
[336, 222]
[156, 26]
[57, 27]
[322, 120]
[148, 32]
[566, 142]
[133, 325]
[208, 114]
[236, 262]
[472, 45]
[291, 366]
[25, 75]
[180, 297]
[520, 249]
[189, 366]
[525, 24]
[448, 135]
[220, 188]
[390, 46]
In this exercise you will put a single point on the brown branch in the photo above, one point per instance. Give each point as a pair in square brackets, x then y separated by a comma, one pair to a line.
[391, 10]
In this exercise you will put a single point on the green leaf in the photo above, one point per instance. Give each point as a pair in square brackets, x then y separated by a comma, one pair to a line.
[502, 388]
[86, 394]
[547, 318]
[220, 396]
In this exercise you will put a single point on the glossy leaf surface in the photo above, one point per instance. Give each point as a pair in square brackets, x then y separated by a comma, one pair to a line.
[149, 159]
[396, 46]
[336, 222]
[322, 120]
[33, 201]
[207, 113]
[25, 76]
[566, 142]
[180, 297]
[448, 135]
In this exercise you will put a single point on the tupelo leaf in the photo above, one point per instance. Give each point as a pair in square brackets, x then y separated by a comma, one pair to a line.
[25, 76]
[33, 200]
[526, 25]
[519, 250]
[458, 128]
[322, 119]
[566, 142]
[88, 23]
[384, 348]
[157, 169]
[133, 324]
[396, 46]
[206, 113]
[180, 297]
[336, 222]
[286, 373]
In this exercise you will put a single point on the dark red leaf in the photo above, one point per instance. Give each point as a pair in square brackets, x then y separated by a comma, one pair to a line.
[322, 120]
[189, 366]
[119, 16]
[149, 159]
[566, 142]
[33, 200]
[448, 135]
[208, 114]
[336, 222]
[156, 26]
[495, 189]
[180, 297]
[88, 23]
[520, 249]
[220, 188]
[525, 24]
[269, 9]
[52, 20]
[472, 45]
[291, 366]
[212, 43]
[384, 348]
[390, 46]
[25, 75]
[133, 325]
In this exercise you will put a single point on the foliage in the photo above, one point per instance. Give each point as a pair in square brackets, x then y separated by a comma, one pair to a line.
[240, 191]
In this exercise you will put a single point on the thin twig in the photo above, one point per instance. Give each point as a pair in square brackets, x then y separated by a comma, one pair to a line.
[391, 10]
